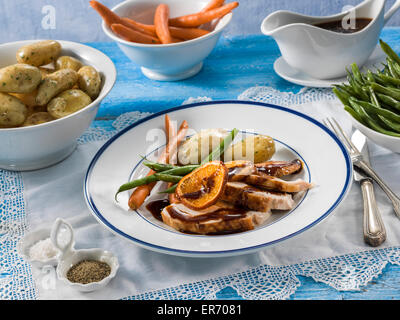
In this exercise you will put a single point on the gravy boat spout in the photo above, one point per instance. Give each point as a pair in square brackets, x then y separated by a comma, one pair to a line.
[323, 53]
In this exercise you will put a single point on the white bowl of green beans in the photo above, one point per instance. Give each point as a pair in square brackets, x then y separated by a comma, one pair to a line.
[372, 99]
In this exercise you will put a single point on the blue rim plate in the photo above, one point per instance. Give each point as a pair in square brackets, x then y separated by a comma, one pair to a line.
[328, 166]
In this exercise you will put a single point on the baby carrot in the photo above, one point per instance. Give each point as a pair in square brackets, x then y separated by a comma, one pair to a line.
[213, 4]
[197, 19]
[133, 35]
[161, 23]
[180, 33]
[140, 194]
[108, 16]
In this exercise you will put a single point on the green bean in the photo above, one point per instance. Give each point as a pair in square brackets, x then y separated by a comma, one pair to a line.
[374, 99]
[148, 179]
[389, 101]
[389, 51]
[377, 110]
[357, 74]
[387, 80]
[158, 167]
[217, 152]
[370, 122]
[171, 169]
[169, 190]
[342, 95]
[391, 92]
[392, 70]
[390, 124]
[354, 114]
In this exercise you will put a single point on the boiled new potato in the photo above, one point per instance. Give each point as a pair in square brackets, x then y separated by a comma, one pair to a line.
[89, 81]
[37, 118]
[39, 53]
[67, 103]
[199, 146]
[55, 83]
[12, 111]
[258, 148]
[45, 71]
[28, 99]
[66, 62]
[19, 78]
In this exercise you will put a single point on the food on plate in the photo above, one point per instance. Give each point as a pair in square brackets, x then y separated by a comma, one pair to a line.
[37, 118]
[19, 78]
[44, 86]
[142, 192]
[221, 218]
[68, 102]
[12, 111]
[203, 187]
[89, 81]
[257, 148]
[373, 98]
[39, 53]
[66, 62]
[215, 197]
[165, 30]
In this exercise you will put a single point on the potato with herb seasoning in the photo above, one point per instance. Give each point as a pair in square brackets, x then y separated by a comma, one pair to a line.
[67, 62]
[68, 102]
[258, 148]
[55, 83]
[89, 81]
[19, 78]
[39, 53]
[12, 111]
[37, 118]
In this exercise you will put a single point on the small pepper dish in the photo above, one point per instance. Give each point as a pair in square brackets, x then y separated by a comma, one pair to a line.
[70, 257]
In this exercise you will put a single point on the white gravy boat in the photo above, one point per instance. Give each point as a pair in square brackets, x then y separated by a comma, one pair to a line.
[321, 53]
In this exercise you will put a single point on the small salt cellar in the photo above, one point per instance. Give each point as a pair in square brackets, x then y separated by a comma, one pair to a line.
[70, 258]
[37, 248]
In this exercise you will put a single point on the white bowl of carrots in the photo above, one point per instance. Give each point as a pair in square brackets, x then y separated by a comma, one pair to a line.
[169, 40]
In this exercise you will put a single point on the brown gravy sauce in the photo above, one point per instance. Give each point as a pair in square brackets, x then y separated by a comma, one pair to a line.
[274, 168]
[224, 214]
[336, 26]
[155, 208]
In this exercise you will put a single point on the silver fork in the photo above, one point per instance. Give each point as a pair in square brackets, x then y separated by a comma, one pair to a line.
[358, 161]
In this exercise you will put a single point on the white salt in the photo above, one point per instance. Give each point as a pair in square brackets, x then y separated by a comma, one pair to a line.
[43, 250]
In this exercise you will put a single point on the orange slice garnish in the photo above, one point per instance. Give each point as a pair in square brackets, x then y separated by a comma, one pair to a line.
[203, 187]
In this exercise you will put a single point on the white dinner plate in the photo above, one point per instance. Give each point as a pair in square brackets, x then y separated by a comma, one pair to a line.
[327, 165]
[285, 71]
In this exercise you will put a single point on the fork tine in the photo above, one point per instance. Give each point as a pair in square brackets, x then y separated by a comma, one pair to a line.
[345, 136]
[330, 125]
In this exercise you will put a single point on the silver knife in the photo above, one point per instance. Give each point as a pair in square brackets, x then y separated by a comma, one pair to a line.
[373, 227]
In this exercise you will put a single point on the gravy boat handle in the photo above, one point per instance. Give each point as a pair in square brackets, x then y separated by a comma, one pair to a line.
[392, 10]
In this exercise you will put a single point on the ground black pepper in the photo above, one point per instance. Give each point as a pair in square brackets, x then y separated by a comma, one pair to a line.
[88, 271]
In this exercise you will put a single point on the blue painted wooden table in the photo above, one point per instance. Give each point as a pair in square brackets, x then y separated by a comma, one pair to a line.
[235, 65]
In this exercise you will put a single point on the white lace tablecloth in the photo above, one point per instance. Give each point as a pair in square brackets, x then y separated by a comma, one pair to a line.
[333, 252]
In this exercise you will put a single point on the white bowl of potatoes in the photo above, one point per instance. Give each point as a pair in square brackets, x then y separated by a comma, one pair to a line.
[50, 92]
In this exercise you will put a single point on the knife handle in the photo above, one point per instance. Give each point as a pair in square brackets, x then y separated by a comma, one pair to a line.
[374, 229]
[391, 195]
